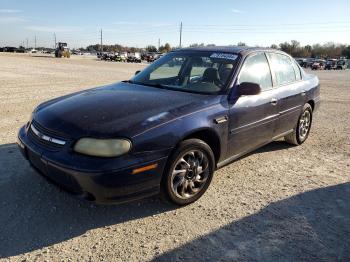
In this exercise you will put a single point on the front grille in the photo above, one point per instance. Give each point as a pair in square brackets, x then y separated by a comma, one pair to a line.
[45, 138]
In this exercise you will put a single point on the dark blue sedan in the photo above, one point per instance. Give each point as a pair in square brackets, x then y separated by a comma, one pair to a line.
[172, 125]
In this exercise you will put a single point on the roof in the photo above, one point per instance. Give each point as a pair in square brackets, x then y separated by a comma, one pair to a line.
[225, 49]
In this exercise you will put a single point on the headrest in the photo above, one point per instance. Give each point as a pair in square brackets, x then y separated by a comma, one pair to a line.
[210, 75]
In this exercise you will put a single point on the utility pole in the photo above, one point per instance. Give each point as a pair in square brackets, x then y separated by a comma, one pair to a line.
[54, 35]
[180, 34]
[101, 42]
[27, 42]
[35, 42]
[158, 44]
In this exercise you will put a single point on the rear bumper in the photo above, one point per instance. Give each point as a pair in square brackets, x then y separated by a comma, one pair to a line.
[105, 186]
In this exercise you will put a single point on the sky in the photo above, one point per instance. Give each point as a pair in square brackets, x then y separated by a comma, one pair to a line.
[141, 23]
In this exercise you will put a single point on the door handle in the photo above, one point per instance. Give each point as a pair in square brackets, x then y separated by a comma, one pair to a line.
[273, 101]
[303, 93]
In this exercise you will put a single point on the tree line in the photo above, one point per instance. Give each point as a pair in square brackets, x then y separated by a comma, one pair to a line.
[120, 48]
[294, 48]
[327, 50]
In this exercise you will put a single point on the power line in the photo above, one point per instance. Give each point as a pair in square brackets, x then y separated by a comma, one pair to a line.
[269, 25]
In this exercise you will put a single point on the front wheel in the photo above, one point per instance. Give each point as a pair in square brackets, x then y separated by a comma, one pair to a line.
[302, 129]
[188, 173]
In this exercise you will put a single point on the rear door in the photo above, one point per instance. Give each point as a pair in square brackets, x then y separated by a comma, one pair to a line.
[252, 118]
[291, 94]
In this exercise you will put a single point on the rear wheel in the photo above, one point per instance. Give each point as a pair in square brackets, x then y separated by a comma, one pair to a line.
[188, 173]
[302, 129]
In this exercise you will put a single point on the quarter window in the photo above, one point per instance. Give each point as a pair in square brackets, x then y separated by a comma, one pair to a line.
[256, 70]
[296, 70]
[283, 68]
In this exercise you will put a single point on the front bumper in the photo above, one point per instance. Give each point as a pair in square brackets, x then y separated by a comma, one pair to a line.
[101, 186]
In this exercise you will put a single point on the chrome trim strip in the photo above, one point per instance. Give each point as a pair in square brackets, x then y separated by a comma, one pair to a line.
[257, 123]
[47, 138]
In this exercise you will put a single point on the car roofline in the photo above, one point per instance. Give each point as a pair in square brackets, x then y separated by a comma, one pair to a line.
[238, 50]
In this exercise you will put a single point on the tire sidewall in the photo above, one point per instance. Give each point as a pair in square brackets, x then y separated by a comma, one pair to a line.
[184, 146]
[306, 107]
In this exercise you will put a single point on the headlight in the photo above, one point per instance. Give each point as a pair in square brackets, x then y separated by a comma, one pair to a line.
[102, 147]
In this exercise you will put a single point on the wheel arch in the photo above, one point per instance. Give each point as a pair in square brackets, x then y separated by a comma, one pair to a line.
[311, 103]
[210, 137]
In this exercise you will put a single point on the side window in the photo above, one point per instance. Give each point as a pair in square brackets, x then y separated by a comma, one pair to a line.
[296, 70]
[283, 68]
[256, 70]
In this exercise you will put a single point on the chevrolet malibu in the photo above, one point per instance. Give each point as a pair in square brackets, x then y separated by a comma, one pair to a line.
[166, 130]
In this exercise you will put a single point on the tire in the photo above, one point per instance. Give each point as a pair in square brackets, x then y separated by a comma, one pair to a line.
[196, 159]
[302, 128]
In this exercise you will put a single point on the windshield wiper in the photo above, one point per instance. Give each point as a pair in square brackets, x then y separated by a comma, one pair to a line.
[151, 85]
[144, 84]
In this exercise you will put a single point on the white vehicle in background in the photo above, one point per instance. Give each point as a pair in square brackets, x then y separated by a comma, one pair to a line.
[33, 51]
[134, 57]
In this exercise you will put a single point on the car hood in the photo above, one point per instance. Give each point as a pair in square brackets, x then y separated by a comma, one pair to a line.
[121, 109]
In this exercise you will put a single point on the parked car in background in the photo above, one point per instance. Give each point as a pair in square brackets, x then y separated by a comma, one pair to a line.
[169, 128]
[107, 56]
[120, 57]
[152, 56]
[301, 61]
[10, 49]
[331, 64]
[318, 64]
[134, 57]
[342, 64]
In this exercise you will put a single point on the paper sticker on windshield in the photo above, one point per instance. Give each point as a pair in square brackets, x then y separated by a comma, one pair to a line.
[224, 56]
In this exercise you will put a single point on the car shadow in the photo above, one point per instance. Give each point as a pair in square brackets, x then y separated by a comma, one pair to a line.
[273, 146]
[312, 226]
[36, 214]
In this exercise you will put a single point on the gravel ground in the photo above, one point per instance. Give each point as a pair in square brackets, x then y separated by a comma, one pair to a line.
[278, 203]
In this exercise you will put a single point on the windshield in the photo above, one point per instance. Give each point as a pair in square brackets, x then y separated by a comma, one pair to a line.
[197, 72]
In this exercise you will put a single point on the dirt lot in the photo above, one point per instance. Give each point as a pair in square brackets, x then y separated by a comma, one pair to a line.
[279, 203]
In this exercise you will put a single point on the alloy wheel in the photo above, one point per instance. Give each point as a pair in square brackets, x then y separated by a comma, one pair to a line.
[190, 173]
[304, 124]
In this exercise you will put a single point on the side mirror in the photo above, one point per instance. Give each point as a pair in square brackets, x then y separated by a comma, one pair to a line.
[248, 89]
[138, 71]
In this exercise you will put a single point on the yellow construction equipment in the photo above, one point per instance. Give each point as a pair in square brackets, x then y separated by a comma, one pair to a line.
[62, 50]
